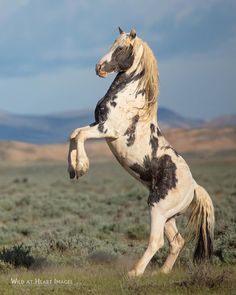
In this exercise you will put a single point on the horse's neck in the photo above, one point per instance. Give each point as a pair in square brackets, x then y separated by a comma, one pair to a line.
[130, 94]
[128, 90]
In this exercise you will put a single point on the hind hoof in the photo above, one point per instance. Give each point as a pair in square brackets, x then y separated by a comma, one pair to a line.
[133, 273]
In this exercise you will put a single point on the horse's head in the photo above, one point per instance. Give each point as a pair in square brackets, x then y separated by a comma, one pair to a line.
[120, 57]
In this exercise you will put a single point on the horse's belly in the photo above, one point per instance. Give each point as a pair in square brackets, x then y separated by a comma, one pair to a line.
[126, 155]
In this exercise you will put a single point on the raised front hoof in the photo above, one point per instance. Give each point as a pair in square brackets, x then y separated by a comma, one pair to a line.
[80, 173]
[81, 168]
[72, 174]
[134, 273]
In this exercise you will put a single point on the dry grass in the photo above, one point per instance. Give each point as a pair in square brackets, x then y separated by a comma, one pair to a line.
[91, 231]
[210, 140]
[94, 279]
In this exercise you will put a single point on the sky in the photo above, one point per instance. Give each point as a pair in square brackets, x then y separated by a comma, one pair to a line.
[49, 48]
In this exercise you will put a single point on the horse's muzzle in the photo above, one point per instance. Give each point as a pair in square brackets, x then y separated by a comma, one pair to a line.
[99, 71]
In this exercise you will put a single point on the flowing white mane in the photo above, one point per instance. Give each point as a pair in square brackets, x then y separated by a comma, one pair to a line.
[149, 81]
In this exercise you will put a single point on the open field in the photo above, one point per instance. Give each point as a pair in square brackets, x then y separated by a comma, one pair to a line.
[201, 141]
[86, 234]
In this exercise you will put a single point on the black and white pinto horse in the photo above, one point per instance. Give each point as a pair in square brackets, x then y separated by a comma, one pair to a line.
[127, 118]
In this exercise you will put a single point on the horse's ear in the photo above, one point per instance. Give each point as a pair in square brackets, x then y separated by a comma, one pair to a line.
[132, 34]
[120, 30]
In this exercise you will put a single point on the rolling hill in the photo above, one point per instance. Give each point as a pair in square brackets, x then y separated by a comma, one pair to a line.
[54, 128]
[186, 141]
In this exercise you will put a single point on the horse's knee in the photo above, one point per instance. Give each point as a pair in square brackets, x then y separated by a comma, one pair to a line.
[177, 244]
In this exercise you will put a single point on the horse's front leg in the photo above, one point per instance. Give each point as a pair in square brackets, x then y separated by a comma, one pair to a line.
[78, 162]
[72, 154]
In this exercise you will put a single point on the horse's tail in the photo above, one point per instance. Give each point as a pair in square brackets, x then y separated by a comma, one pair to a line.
[202, 221]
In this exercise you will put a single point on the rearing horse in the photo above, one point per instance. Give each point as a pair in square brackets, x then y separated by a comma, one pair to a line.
[127, 118]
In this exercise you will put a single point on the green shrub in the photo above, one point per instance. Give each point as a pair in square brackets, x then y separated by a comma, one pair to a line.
[18, 255]
[137, 232]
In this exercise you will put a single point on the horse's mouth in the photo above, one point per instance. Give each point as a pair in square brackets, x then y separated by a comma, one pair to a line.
[102, 74]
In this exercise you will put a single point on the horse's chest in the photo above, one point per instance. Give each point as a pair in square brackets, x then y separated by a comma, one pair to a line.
[102, 110]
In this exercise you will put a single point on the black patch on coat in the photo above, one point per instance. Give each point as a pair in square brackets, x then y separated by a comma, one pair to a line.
[138, 76]
[158, 132]
[170, 147]
[154, 145]
[160, 174]
[152, 128]
[113, 103]
[176, 153]
[121, 60]
[124, 57]
[130, 132]
[101, 127]
[120, 82]
[153, 141]
[102, 108]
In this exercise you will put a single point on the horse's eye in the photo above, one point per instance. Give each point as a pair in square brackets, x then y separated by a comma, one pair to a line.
[119, 48]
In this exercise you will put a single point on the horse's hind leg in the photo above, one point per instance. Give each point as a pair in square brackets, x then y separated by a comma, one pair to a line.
[176, 244]
[156, 241]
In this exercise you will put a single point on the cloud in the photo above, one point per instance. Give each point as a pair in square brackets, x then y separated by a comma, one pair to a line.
[67, 88]
[48, 50]
[200, 85]
[42, 36]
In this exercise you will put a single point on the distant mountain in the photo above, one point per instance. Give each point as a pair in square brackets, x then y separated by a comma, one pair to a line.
[55, 128]
[227, 120]
[170, 119]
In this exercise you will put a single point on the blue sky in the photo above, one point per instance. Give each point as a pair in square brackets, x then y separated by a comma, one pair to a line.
[48, 50]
